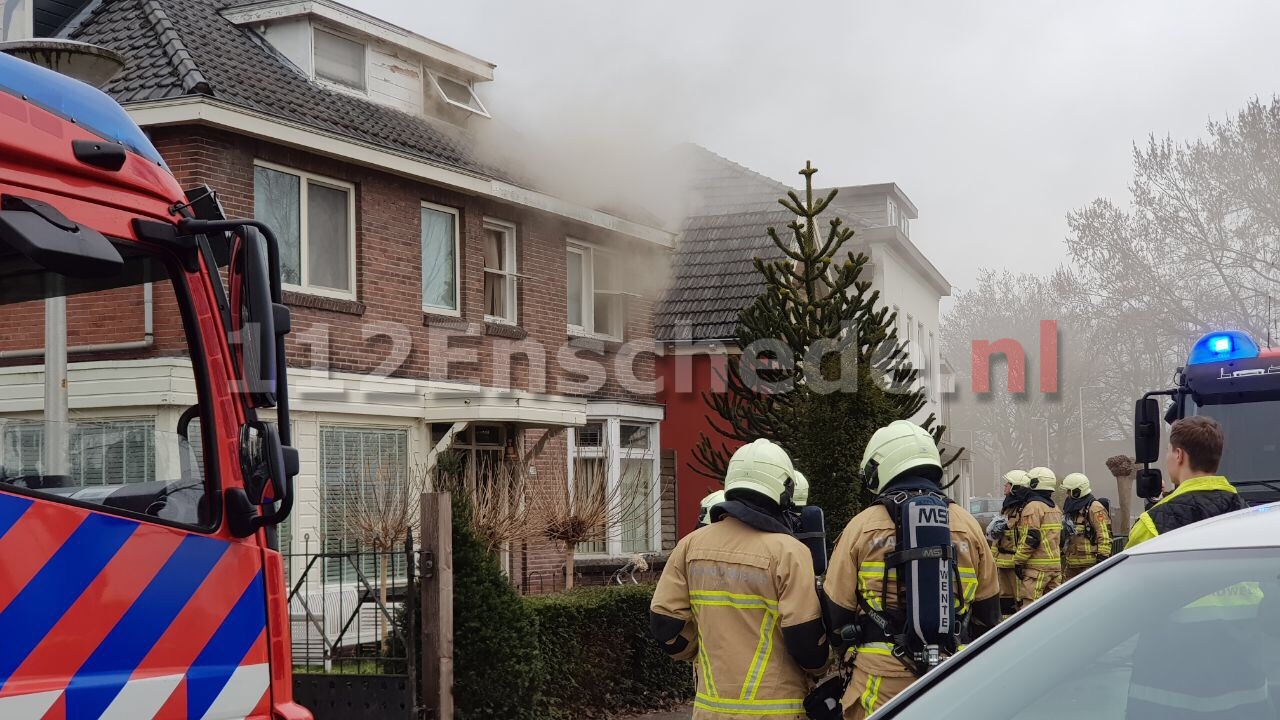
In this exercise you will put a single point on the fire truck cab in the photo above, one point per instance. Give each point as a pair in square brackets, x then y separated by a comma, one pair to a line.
[140, 479]
[1229, 378]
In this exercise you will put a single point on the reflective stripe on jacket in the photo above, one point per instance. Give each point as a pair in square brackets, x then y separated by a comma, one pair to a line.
[739, 587]
[1039, 535]
[1192, 501]
[857, 571]
[1080, 551]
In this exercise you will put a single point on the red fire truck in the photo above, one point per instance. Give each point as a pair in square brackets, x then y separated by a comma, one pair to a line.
[139, 573]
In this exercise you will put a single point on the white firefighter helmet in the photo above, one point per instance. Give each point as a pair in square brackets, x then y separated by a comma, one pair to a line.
[1076, 485]
[894, 449]
[1018, 478]
[1042, 478]
[762, 467]
[708, 502]
[800, 497]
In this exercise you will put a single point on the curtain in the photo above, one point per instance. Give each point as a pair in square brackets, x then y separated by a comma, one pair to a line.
[329, 256]
[439, 260]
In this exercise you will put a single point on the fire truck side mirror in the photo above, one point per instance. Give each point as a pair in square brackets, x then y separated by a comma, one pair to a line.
[1146, 431]
[253, 321]
[1150, 483]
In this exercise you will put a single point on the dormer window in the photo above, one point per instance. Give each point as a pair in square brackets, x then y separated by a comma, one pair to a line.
[340, 60]
[458, 94]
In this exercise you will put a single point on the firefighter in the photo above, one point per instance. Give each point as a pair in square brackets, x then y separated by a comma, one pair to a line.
[1037, 560]
[708, 502]
[1090, 543]
[900, 462]
[739, 596]
[1003, 534]
[1195, 449]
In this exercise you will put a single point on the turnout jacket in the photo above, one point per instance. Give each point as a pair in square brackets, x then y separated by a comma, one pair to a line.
[743, 604]
[1039, 535]
[1091, 542]
[1192, 501]
[857, 572]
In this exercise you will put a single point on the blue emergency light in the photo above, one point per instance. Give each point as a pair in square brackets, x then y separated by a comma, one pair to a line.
[1222, 346]
[88, 106]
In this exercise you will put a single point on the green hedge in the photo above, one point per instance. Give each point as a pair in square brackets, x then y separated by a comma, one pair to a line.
[583, 654]
[497, 669]
[599, 658]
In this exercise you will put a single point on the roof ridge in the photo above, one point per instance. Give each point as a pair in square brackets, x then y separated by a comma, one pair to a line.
[193, 81]
[739, 166]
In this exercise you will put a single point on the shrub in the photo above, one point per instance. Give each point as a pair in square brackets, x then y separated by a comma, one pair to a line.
[599, 659]
[496, 665]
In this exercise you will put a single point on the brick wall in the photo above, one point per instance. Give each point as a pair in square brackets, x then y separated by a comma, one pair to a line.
[388, 273]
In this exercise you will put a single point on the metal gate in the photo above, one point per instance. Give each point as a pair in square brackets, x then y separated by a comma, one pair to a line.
[354, 626]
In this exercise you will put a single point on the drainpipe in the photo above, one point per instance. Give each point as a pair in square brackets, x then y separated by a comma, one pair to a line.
[148, 337]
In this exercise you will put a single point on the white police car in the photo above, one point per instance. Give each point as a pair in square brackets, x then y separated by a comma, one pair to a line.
[1186, 625]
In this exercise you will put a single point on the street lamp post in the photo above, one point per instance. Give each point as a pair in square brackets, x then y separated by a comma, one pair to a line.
[1084, 464]
[1047, 461]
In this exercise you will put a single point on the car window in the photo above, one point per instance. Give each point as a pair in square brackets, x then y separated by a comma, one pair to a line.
[1155, 637]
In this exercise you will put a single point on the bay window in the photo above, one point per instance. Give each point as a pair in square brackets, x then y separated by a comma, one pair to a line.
[622, 455]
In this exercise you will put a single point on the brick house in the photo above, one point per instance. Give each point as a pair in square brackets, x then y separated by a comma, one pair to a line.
[713, 279]
[439, 303]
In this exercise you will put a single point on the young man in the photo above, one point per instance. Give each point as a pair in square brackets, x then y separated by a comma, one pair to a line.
[1195, 449]
[1003, 534]
[740, 596]
[900, 465]
[1091, 542]
[1038, 562]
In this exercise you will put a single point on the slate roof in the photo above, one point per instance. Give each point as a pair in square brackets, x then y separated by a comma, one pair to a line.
[713, 274]
[178, 48]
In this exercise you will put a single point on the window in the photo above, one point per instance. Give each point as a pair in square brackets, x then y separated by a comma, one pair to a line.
[135, 465]
[459, 94]
[356, 465]
[595, 301]
[929, 372]
[499, 271]
[1132, 661]
[478, 446]
[440, 292]
[314, 220]
[618, 459]
[892, 212]
[339, 59]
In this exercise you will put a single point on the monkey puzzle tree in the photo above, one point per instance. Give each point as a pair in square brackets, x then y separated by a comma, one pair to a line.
[821, 365]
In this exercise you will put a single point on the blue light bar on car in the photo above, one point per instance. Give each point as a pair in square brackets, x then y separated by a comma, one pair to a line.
[1222, 346]
[71, 99]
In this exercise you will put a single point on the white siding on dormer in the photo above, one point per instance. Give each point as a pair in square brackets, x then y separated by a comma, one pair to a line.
[395, 81]
[293, 40]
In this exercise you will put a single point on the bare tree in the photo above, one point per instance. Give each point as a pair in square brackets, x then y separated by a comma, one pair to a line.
[498, 493]
[584, 509]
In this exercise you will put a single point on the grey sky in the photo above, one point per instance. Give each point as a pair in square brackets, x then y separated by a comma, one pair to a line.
[996, 118]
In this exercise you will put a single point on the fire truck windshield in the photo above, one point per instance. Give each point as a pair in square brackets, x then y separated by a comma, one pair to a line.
[1252, 449]
[89, 107]
[128, 436]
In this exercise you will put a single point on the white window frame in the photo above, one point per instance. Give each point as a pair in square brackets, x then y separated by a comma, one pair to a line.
[435, 82]
[892, 211]
[305, 179]
[457, 261]
[613, 454]
[364, 71]
[509, 276]
[589, 252]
